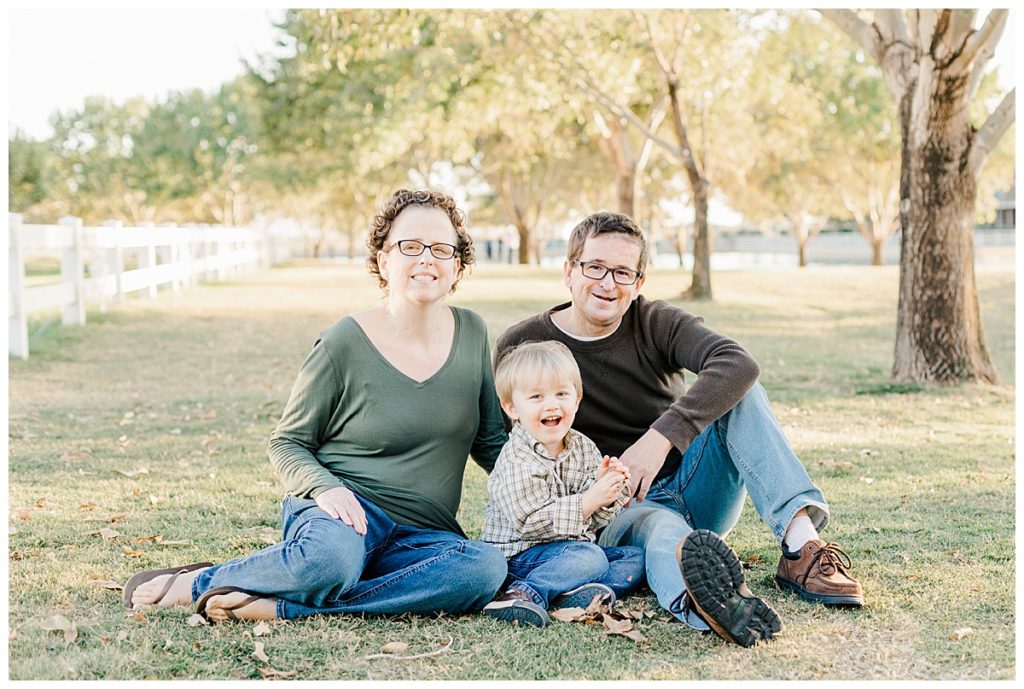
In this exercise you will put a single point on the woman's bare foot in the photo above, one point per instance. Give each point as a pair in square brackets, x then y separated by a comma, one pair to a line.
[148, 595]
[232, 605]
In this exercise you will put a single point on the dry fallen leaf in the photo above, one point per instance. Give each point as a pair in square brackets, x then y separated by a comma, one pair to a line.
[196, 621]
[70, 634]
[258, 653]
[394, 647]
[568, 614]
[960, 633]
[271, 674]
[133, 473]
[41, 503]
[120, 517]
[261, 628]
[139, 617]
[122, 635]
[614, 626]
[22, 513]
[88, 506]
[108, 534]
[55, 623]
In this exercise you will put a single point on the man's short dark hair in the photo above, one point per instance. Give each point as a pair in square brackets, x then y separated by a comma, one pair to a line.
[604, 222]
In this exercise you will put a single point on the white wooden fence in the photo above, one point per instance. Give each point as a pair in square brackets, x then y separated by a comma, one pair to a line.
[168, 256]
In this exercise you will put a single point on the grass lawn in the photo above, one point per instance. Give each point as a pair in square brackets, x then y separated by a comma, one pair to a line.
[151, 423]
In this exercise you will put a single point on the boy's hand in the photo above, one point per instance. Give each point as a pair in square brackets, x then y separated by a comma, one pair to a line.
[614, 464]
[603, 492]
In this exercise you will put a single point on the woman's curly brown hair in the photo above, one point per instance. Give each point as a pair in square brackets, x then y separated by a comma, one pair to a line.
[399, 201]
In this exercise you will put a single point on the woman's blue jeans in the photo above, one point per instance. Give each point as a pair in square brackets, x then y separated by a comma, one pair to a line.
[548, 569]
[743, 452]
[323, 566]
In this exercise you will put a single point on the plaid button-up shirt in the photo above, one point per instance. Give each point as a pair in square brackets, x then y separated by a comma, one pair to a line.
[536, 498]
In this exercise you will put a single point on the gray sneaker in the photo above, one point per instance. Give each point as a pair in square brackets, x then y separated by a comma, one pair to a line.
[582, 596]
[516, 607]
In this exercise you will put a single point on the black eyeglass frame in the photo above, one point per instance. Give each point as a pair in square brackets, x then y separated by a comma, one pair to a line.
[400, 242]
[582, 264]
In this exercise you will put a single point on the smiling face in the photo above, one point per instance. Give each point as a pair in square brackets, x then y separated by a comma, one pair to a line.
[546, 409]
[420, 279]
[599, 305]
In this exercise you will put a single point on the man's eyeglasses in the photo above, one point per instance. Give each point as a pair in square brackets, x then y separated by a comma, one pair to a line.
[413, 247]
[596, 271]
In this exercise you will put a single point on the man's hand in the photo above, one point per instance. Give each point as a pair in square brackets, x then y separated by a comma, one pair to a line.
[341, 503]
[644, 459]
[602, 492]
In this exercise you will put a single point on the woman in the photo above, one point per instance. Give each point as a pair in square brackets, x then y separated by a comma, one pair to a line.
[371, 450]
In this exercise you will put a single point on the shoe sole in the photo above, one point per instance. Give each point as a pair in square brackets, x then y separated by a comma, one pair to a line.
[714, 578]
[585, 596]
[850, 600]
[519, 613]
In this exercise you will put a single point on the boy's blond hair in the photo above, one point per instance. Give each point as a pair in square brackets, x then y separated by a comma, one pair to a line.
[532, 361]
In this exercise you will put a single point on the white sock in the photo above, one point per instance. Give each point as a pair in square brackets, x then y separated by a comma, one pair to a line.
[799, 532]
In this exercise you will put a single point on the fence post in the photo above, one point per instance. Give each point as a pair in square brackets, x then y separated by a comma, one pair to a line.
[16, 319]
[113, 261]
[173, 256]
[72, 270]
[147, 259]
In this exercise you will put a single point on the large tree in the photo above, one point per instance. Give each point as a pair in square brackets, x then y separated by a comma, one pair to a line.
[933, 62]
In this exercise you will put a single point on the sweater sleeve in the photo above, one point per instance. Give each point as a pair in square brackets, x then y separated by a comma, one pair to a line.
[490, 434]
[300, 432]
[725, 371]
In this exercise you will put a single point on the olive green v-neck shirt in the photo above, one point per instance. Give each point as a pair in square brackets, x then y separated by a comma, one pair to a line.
[355, 420]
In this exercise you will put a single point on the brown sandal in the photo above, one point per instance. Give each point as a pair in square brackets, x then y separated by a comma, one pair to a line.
[220, 591]
[149, 575]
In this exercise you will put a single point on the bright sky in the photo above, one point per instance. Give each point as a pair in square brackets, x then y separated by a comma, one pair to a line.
[58, 56]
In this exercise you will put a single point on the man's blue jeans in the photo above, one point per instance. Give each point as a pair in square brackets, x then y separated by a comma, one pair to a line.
[548, 569]
[323, 566]
[743, 452]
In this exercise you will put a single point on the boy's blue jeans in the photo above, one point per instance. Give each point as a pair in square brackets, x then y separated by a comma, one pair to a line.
[548, 569]
[323, 566]
[744, 452]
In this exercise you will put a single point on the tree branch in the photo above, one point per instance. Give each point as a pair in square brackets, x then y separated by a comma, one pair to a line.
[856, 28]
[984, 38]
[892, 20]
[987, 51]
[993, 129]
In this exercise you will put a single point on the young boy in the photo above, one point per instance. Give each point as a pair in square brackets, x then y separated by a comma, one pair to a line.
[550, 491]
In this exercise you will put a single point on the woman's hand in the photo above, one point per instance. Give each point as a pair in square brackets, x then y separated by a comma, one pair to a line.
[341, 504]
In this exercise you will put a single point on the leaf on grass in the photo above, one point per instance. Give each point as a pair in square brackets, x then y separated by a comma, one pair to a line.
[394, 647]
[196, 621]
[122, 635]
[271, 674]
[755, 559]
[635, 635]
[133, 472]
[259, 653]
[261, 628]
[22, 513]
[73, 456]
[139, 617]
[960, 633]
[120, 517]
[569, 614]
[41, 503]
[146, 539]
[57, 623]
[70, 634]
[132, 552]
[108, 534]
[596, 604]
[108, 584]
[614, 626]
[88, 506]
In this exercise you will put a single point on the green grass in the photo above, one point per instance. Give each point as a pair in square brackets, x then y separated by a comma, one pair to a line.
[188, 387]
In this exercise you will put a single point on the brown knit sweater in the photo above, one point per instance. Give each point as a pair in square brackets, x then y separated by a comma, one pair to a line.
[633, 378]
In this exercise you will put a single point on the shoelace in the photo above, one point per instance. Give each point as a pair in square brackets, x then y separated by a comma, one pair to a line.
[830, 559]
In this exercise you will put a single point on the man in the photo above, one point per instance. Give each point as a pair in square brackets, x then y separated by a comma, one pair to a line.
[693, 454]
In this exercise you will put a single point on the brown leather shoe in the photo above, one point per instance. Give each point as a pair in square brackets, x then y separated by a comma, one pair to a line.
[819, 574]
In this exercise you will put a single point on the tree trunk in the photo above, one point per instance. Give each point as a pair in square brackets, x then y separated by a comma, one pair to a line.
[877, 245]
[801, 251]
[939, 337]
[700, 280]
[625, 183]
[524, 242]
